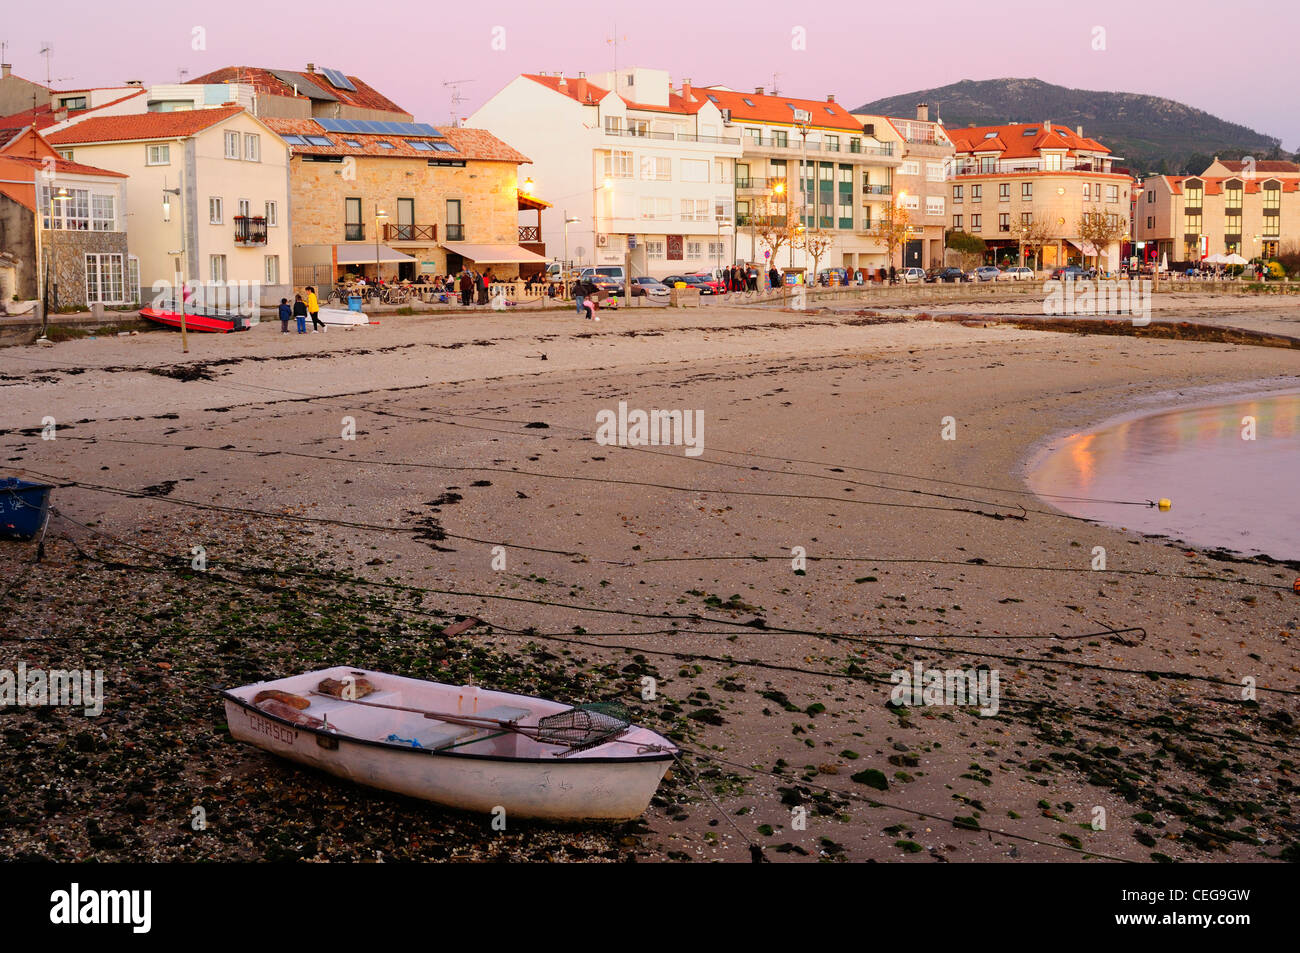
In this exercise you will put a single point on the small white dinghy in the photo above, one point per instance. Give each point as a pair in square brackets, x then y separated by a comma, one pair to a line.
[343, 316]
[457, 745]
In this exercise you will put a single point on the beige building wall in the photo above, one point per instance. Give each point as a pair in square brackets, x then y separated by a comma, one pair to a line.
[1171, 220]
[486, 191]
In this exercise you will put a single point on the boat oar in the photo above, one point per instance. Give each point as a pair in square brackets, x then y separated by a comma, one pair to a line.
[472, 721]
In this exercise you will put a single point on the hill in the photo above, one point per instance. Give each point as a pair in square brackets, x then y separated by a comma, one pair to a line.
[1149, 133]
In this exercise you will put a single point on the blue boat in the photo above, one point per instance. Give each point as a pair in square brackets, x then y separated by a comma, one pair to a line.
[24, 508]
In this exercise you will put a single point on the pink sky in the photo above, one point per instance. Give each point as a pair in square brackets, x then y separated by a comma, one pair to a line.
[858, 52]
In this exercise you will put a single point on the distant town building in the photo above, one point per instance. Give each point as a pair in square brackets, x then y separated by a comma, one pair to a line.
[1247, 208]
[1012, 180]
[229, 225]
[641, 172]
[313, 93]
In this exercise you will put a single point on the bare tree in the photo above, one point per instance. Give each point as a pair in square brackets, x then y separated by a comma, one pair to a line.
[773, 222]
[893, 228]
[816, 242]
[1100, 229]
[1033, 235]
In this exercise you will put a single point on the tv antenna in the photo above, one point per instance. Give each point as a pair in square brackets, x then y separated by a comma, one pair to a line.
[775, 91]
[47, 51]
[614, 41]
[456, 98]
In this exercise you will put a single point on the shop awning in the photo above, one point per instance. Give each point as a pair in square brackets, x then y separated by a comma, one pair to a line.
[367, 255]
[494, 254]
[1088, 248]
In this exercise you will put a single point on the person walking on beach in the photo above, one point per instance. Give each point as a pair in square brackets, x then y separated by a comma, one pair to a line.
[313, 308]
[286, 312]
[300, 312]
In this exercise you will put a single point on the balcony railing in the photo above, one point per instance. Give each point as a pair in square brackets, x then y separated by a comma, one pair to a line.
[1013, 167]
[354, 232]
[410, 233]
[871, 189]
[640, 134]
[530, 233]
[723, 140]
[455, 233]
[250, 230]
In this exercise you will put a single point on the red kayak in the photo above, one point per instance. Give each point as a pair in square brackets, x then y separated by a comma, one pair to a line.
[193, 322]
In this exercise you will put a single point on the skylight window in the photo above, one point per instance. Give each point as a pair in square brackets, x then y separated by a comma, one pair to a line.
[712, 98]
[747, 101]
[829, 110]
[294, 140]
[384, 145]
[443, 147]
[355, 144]
[1031, 132]
[319, 141]
[420, 145]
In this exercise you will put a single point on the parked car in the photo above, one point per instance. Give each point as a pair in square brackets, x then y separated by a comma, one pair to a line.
[713, 281]
[913, 274]
[987, 273]
[832, 276]
[1073, 272]
[644, 286]
[691, 281]
[948, 275]
[613, 272]
[1019, 273]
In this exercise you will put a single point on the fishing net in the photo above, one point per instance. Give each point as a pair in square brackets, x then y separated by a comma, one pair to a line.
[584, 726]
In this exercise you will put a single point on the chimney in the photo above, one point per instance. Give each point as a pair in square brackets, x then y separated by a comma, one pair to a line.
[1047, 126]
[758, 91]
[60, 115]
[830, 97]
[562, 81]
[135, 82]
[580, 87]
[311, 67]
[1078, 131]
[686, 91]
[581, 75]
[923, 112]
[5, 69]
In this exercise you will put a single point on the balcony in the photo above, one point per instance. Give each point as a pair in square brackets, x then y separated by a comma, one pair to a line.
[250, 230]
[354, 232]
[410, 233]
[455, 233]
[868, 189]
[530, 233]
[1016, 167]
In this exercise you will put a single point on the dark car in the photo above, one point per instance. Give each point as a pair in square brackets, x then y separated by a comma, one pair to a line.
[691, 281]
[947, 275]
[1073, 272]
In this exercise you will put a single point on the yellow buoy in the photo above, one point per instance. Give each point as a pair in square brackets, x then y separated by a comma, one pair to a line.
[1164, 505]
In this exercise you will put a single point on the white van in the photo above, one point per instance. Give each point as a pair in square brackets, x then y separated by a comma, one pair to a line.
[614, 273]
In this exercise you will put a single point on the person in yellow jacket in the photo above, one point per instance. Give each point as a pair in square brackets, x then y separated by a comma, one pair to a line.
[313, 308]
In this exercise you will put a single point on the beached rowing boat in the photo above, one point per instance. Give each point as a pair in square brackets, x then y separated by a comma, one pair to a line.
[457, 745]
[343, 316]
[193, 322]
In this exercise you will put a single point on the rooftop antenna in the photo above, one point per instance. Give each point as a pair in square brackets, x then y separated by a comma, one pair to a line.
[775, 91]
[456, 99]
[614, 41]
[181, 74]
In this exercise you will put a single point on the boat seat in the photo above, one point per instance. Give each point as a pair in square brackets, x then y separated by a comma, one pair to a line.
[443, 734]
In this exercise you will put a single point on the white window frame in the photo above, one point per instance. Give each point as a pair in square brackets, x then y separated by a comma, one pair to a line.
[689, 169]
[657, 168]
[910, 167]
[694, 251]
[252, 147]
[618, 164]
[232, 144]
[103, 219]
[158, 153]
[934, 171]
[217, 268]
[100, 284]
[272, 213]
[695, 210]
[655, 248]
[216, 210]
[271, 269]
[245, 208]
[934, 205]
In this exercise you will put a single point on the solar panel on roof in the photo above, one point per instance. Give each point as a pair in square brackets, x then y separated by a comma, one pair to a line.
[338, 80]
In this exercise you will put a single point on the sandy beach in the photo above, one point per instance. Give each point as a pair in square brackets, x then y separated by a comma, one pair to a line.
[628, 567]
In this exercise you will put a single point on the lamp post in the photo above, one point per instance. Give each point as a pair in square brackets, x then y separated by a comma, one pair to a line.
[564, 266]
[380, 215]
[167, 217]
[61, 196]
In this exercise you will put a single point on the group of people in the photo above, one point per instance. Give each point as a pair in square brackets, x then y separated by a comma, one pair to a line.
[300, 310]
[736, 278]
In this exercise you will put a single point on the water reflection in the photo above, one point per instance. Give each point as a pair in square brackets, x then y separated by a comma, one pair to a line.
[1227, 491]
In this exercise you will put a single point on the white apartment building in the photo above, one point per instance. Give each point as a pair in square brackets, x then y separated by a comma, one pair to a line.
[640, 171]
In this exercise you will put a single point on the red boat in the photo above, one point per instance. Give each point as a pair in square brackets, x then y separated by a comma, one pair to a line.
[193, 322]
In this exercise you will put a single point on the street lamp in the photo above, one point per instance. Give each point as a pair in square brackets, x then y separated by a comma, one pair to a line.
[167, 217]
[722, 223]
[564, 267]
[380, 215]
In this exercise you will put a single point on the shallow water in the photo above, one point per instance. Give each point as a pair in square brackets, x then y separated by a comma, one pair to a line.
[1227, 491]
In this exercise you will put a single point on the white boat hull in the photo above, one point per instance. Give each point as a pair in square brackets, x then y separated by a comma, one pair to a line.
[342, 316]
[611, 782]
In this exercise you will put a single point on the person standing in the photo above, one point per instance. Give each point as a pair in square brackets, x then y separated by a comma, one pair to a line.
[466, 288]
[579, 293]
[313, 308]
[774, 277]
[286, 312]
[300, 312]
[482, 288]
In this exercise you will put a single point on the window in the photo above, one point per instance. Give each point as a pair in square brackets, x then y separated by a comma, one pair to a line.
[1087, 192]
[324, 141]
[1232, 195]
[1272, 227]
[661, 208]
[105, 280]
[1112, 220]
[618, 164]
[217, 268]
[1052, 161]
[832, 143]
[910, 167]
[72, 214]
[102, 217]
[443, 147]
[695, 170]
[1004, 222]
[722, 208]
[302, 141]
[1026, 219]
[215, 213]
[1112, 193]
[656, 167]
[934, 171]
[232, 145]
[158, 155]
[1195, 195]
[272, 214]
[1193, 226]
[654, 249]
[252, 147]
[613, 125]
[975, 221]
[722, 171]
[694, 210]
[956, 223]
[1232, 223]
[72, 102]
[780, 138]
[272, 269]
[977, 193]
[911, 202]
[694, 251]
[353, 228]
[934, 205]
[1004, 192]
[855, 144]
[1151, 198]
[352, 143]
[716, 249]
[419, 145]
[1151, 221]
[956, 194]
[244, 207]
[1026, 191]
[1272, 196]
[455, 230]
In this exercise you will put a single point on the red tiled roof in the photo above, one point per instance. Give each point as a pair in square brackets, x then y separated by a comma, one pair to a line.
[1016, 145]
[262, 79]
[583, 91]
[42, 117]
[477, 144]
[65, 165]
[167, 125]
[780, 109]
[1265, 165]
